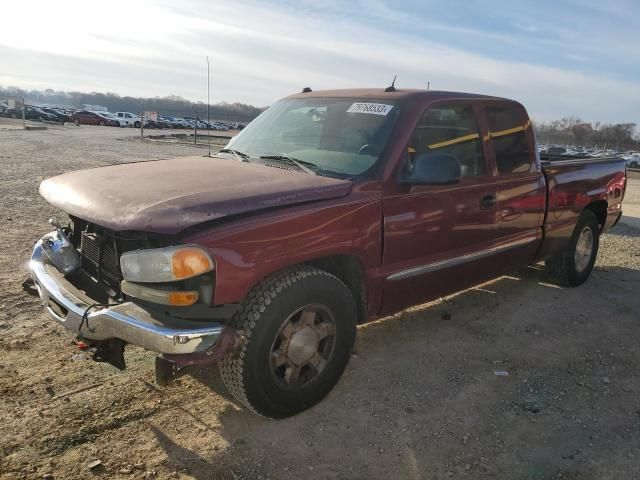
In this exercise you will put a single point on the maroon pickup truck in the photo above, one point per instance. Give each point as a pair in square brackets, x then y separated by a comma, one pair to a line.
[330, 209]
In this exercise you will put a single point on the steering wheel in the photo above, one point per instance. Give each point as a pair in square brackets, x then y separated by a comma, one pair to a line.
[369, 149]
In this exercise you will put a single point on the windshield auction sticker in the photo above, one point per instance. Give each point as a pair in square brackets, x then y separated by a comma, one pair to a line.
[373, 108]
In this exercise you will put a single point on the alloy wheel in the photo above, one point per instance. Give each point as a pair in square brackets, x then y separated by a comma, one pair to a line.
[584, 249]
[303, 346]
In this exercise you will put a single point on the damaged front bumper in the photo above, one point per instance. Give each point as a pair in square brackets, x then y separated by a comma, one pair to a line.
[128, 322]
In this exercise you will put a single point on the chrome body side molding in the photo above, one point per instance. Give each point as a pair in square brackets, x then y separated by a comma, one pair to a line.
[452, 262]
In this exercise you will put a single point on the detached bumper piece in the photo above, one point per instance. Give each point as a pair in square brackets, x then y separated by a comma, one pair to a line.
[126, 322]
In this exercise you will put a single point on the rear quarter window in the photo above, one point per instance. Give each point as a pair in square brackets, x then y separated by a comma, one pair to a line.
[508, 130]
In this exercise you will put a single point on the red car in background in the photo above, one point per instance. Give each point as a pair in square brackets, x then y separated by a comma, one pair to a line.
[85, 117]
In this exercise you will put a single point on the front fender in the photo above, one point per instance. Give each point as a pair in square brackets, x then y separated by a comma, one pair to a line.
[248, 250]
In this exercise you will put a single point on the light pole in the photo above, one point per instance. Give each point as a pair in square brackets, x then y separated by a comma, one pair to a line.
[208, 103]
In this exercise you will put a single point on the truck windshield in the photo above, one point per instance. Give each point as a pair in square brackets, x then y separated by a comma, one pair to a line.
[339, 136]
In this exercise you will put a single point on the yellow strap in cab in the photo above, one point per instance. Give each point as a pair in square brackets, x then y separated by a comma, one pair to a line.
[509, 131]
[453, 141]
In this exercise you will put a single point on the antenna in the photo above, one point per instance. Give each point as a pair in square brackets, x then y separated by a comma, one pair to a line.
[208, 103]
[392, 88]
[428, 85]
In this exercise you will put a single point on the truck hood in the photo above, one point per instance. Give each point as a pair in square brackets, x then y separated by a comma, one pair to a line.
[167, 196]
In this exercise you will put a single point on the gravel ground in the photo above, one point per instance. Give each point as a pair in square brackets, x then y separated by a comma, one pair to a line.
[420, 399]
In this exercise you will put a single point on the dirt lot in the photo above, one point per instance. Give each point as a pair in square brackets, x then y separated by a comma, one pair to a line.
[420, 398]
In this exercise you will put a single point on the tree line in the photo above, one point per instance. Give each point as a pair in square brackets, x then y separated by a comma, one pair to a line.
[567, 131]
[172, 105]
[573, 131]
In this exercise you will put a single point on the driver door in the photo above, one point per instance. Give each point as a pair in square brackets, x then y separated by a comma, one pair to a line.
[432, 233]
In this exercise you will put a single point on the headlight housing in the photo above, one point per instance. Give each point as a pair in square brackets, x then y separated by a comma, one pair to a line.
[169, 264]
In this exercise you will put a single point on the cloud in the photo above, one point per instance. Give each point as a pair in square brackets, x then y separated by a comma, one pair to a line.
[260, 52]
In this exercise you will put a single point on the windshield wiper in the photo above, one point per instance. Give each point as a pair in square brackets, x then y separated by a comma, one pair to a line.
[301, 164]
[239, 156]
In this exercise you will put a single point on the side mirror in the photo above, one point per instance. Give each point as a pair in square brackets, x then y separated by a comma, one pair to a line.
[434, 169]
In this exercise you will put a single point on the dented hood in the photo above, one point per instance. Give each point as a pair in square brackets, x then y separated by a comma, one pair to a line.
[167, 196]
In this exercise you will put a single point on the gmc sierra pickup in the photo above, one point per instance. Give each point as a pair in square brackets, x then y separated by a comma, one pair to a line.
[328, 210]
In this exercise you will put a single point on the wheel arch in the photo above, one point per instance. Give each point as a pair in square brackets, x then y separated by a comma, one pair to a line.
[599, 209]
[347, 268]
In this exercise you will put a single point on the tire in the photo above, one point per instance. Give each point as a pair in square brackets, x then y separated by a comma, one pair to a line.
[573, 266]
[136, 124]
[76, 122]
[316, 312]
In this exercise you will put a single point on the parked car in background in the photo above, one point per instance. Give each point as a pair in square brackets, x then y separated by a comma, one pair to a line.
[555, 150]
[130, 119]
[86, 117]
[633, 160]
[172, 122]
[31, 113]
[61, 116]
[148, 123]
[113, 117]
[184, 123]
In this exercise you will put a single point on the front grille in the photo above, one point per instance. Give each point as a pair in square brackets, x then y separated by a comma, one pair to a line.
[100, 250]
[99, 257]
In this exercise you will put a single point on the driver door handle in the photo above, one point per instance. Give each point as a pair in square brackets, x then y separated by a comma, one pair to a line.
[488, 201]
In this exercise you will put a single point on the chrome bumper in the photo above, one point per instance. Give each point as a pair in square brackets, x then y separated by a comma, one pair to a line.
[126, 321]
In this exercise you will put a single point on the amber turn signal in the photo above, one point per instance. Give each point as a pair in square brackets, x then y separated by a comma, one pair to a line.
[182, 299]
[176, 298]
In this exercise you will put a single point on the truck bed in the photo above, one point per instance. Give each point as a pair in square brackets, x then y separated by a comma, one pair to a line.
[574, 183]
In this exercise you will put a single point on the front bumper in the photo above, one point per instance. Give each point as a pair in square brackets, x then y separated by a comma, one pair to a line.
[126, 321]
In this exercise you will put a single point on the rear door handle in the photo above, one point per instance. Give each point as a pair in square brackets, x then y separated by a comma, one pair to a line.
[488, 201]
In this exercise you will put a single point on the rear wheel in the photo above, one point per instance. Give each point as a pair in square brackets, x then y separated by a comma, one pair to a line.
[76, 122]
[299, 327]
[136, 124]
[573, 266]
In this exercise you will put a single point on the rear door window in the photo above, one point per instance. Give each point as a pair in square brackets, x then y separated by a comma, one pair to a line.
[508, 130]
[450, 129]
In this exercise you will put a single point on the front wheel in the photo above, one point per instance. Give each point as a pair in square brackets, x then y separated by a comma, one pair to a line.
[298, 327]
[573, 266]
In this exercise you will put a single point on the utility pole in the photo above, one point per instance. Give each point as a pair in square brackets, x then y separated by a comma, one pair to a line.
[195, 124]
[24, 118]
[208, 103]
[141, 119]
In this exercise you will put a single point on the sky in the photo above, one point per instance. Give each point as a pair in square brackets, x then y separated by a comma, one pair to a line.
[558, 57]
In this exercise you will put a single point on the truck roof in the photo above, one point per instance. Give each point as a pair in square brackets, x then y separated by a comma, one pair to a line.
[398, 94]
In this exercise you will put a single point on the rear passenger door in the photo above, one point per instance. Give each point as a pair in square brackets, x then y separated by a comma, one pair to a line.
[519, 182]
